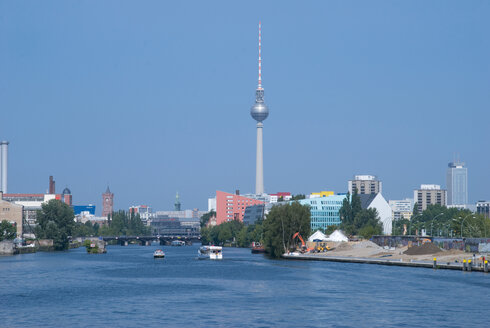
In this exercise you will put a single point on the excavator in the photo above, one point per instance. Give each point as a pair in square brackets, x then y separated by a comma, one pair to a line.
[303, 245]
[320, 248]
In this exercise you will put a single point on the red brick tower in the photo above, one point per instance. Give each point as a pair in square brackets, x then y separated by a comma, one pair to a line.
[107, 202]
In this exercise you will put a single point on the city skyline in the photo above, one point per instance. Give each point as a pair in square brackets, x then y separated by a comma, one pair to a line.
[381, 89]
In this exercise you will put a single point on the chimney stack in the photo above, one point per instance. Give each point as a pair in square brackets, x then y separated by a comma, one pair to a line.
[52, 189]
[4, 163]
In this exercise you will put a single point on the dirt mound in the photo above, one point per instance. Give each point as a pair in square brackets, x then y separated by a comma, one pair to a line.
[424, 249]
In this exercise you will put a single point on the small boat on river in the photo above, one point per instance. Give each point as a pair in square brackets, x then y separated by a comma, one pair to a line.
[177, 243]
[158, 254]
[210, 252]
[257, 248]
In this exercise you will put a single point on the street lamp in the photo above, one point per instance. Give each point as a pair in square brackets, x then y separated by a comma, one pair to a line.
[433, 222]
[463, 222]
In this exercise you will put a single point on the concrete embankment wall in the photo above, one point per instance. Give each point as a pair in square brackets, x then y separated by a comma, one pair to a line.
[7, 247]
[473, 245]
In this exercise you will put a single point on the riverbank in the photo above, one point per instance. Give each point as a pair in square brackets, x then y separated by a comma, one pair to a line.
[419, 256]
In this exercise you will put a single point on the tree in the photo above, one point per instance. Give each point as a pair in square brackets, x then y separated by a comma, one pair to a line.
[222, 233]
[356, 220]
[330, 229]
[206, 217]
[298, 197]
[282, 223]
[351, 207]
[7, 230]
[55, 221]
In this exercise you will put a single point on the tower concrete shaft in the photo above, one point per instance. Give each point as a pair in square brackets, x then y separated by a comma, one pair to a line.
[4, 174]
[259, 173]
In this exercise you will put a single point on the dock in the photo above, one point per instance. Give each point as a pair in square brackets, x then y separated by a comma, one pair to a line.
[417, 264]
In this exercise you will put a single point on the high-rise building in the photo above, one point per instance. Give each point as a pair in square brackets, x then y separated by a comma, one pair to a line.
[231, 207]
[259, 112]
[429, 194]
[107, 202]
[401, 209]
[365, 185]
[483, 208]
[457, 184]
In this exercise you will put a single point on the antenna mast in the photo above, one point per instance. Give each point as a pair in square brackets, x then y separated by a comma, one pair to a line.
[260, 57]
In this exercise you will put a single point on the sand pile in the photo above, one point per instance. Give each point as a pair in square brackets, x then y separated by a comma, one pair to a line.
[366, 244]
[424, 249]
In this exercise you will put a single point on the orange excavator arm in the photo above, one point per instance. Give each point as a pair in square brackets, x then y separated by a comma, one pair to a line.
[300, 238]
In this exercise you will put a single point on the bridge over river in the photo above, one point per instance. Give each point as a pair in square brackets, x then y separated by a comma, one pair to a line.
[147, 240]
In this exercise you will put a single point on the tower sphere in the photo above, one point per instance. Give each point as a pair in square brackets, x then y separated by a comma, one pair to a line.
[259, 111]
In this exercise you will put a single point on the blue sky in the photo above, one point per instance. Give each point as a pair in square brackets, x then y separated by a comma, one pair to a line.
[153, 97]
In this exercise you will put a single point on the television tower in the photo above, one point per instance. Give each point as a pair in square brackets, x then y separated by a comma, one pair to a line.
[259, 112]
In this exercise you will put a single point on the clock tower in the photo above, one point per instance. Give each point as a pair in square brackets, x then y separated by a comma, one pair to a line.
[107, 202]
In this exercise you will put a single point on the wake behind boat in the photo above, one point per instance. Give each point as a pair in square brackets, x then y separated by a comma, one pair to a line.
[158, 254]
[210, 252]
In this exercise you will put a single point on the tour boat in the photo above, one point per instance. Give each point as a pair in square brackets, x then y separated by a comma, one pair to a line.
[210, 252]
[159, 254]
[177, 243]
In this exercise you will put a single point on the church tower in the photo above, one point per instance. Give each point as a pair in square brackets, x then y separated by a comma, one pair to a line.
[107, 202]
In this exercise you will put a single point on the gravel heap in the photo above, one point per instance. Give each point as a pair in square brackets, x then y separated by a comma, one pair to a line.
[424, 249]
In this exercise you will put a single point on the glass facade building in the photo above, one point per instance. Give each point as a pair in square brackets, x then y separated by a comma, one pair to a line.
[457, 184]
[324, 210]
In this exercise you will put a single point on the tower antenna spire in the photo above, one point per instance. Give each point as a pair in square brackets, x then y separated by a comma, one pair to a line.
[260, 57]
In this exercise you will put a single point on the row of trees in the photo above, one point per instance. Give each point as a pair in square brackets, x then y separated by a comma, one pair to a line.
[55, 221]
[439, 220]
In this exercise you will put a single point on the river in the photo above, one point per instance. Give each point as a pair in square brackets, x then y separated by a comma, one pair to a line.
[127, 287]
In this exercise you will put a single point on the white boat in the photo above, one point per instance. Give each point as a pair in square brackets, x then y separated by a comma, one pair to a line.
[210, 252]
[177, 243]
[159, 254]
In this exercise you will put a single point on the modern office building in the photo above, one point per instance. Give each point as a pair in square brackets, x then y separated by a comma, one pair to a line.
[253, 214]
[365, 185]
[457, 184]
[429, 194]
[165, 225]
[212, 204]
[483, 208]
[107, 202]
[324, 210]
[378, 202]
[401, 209]
[259, 112]
[232, 206]
[184, 214]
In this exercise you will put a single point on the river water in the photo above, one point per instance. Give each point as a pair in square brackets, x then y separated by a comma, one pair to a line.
[127, 287]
